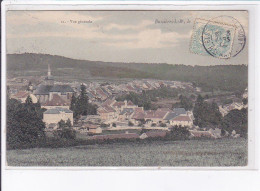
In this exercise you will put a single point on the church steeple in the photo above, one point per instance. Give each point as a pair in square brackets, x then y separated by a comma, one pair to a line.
[49, 80]
[49, 70]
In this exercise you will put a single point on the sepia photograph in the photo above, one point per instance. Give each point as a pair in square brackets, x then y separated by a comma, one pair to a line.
[127, 88]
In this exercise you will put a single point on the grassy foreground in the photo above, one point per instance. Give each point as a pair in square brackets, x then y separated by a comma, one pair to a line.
[222, 152]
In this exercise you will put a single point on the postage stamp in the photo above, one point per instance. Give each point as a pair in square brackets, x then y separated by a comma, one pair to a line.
[238, 40]
[221, 37]
[217, 39]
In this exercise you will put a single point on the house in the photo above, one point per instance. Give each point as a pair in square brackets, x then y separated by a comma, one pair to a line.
[126, 114]
[93, 129]
[156, 116]
[181, 121]
[93, 118]
[164, 109]
[101, 94]
[55, 115]
[245, 94]
[106, 112]
[118, 105]
[175, 113]
[138, 116]
[22, 96]
[179, 111]
[153, 134]
[55, 101]
[109, 102]
[199, 134]
[90, 119]
[224, 110]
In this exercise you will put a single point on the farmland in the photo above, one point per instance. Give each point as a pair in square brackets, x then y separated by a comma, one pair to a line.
[221, 152]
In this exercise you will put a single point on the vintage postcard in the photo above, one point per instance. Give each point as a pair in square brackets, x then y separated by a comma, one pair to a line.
[127, 88]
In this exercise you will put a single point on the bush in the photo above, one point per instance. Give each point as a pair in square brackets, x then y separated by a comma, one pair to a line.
[130, 124]
[65, 130]
[103, 125]
[24, 124]
[163, 125]
[178, 133]
[114, 125]
[153, 125]
[236, 120]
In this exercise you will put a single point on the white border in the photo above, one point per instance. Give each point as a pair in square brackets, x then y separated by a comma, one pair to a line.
[47, 5]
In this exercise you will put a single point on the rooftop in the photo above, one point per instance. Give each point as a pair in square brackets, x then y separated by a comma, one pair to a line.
[57, 110]
[46, 89]
[182, 118]
[56, 101]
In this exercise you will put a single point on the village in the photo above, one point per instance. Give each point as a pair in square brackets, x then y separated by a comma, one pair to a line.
[113, 118]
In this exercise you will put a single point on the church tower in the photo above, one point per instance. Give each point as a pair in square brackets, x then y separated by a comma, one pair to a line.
[49, 70]
[49, 80]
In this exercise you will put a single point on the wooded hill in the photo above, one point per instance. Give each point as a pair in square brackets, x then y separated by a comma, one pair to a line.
[219, 77]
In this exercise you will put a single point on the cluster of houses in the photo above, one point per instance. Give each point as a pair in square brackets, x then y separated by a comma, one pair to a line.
[125, 112]
[99, 91]
[112, 114]
[224, 110]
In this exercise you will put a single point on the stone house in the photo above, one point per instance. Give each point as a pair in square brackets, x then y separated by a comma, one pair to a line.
[54, 115]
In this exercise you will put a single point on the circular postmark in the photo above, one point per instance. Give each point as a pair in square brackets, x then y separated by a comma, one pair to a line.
[223, 37]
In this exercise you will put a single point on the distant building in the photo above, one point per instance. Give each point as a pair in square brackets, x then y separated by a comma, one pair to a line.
[126, 114]
[215, 134]
[153, 134]
[54, 115]
[55, 101]
[45, 91]
[22, 96]
[224, 110]
[93, 129]
[181, 121]
[106, 112]
[156, 116]
[175, 112]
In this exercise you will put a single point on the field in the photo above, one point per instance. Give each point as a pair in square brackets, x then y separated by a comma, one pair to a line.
[224, 152]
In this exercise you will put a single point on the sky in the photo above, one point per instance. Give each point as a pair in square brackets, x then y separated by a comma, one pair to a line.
[115, 36]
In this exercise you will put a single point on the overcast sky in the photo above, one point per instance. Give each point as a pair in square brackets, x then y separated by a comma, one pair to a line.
[117, 36]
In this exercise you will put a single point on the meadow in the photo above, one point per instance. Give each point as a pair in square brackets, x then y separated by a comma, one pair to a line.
[221, 152]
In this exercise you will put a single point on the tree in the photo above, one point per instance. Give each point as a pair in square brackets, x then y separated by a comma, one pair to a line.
[68, 123]
[236, 120]
[29, 86]
[178, 133]
[185, 103]
[206, 114]
[142, 100]
[28, 100]
[245, 101]
[80, 105]
[130, 124]
[73, 105]
[65, 130]
[24, 125]
[192, 96]
[82, 101]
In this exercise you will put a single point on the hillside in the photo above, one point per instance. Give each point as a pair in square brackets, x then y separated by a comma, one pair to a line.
[220, 77]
